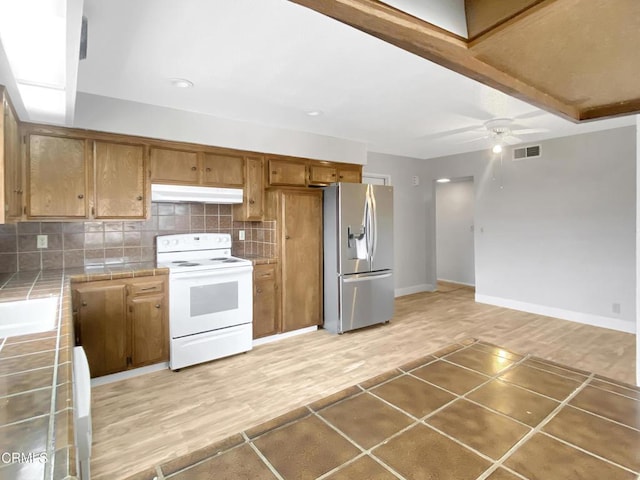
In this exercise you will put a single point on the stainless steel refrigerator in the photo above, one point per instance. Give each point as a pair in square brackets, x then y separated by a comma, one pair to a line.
[358, 256]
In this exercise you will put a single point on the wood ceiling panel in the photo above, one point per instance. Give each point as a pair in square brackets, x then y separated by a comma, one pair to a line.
[482, 15]
[575, 58]
[586, 56]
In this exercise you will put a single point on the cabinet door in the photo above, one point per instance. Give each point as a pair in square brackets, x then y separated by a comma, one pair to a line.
[349, 175]
[101, 326]
[12, 166]
[174, 166]
[301, 214]
[252, 207]
[119, 180]
[223, 170]
[322, 175]
[57, 177]
[265, 301]
[282, 172]
[149, 334]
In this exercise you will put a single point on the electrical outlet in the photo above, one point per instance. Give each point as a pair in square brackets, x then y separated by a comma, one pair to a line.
[415, 180]
[615, 307]
[241, 234]
[43, 241]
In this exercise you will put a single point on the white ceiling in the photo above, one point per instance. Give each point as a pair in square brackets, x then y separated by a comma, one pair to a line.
[270, 61]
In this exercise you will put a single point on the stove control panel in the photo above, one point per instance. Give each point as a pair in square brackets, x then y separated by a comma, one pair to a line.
[186, 242]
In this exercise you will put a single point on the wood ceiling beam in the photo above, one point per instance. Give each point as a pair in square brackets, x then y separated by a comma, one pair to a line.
[434, 44]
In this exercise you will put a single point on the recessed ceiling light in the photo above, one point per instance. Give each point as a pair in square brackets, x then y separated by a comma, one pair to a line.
[314, 113]
[181, 83]
[497, 148]
[443, 180]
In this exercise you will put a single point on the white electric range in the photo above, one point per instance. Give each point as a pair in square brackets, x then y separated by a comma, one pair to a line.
[210, 297]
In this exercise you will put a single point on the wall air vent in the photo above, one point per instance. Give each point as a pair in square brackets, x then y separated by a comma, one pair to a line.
[532, 151]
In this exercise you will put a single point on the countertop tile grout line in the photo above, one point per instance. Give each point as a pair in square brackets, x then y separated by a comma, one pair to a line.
[51, 440]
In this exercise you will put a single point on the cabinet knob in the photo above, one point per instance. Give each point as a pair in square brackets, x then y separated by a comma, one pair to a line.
[84, 304]
[252, 202]
[259, 290]
[157, 305]
[139, 197]
[208, 169]
[287, 237]
[81, 196]
[333, 174]
[193, 169]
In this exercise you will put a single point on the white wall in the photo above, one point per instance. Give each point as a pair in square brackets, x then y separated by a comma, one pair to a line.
[120, 116]
[455, 260]
[411, 265]
[556, 235]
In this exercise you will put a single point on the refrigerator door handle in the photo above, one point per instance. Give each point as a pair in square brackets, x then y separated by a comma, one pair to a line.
[365, 278]
[374, 221]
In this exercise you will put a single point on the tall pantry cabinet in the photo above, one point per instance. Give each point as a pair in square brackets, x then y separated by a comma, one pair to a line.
[298, 215]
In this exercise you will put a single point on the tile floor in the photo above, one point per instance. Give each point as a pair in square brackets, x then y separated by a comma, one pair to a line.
[470, 411]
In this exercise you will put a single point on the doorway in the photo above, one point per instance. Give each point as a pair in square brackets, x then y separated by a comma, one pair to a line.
[455, 258]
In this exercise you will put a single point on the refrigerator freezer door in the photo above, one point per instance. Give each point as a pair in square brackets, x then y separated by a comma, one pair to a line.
[382, 227]
[365, 299]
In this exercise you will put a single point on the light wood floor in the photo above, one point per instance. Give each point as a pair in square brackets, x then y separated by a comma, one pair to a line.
[146, 420]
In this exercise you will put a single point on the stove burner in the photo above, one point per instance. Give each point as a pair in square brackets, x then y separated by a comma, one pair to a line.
[188, 264]
[231, 260]
[217, 259]
[179, 261]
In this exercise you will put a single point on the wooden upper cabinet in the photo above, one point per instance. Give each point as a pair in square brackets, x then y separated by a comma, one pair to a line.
[322, 175]
[11, 199]
[350, 175]
[57, 177]
[252, 207]
[119, 180]
[174, 166]
[286, 172]
[223, 170]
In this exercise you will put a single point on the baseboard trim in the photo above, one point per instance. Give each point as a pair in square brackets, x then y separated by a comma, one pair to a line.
[282, 336]
[116, 377]
[578, 317]
[425, 287]
[457, 282]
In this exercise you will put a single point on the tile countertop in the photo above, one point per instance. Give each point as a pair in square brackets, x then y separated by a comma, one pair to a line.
[256, 260]
[36, 407]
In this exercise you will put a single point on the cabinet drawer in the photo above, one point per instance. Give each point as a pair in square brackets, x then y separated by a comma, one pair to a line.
[143, 288]
[264, 272]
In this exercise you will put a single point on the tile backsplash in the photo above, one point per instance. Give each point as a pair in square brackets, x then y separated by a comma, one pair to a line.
[79, 244]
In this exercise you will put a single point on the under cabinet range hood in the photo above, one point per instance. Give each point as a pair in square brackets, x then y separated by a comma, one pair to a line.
[185, 193]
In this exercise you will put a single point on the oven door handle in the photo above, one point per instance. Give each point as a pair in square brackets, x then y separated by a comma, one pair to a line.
[216, 272]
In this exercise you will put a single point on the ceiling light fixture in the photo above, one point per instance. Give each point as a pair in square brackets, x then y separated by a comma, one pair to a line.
[314, 113]
[181, 83]
[443, 180]
[497, 148]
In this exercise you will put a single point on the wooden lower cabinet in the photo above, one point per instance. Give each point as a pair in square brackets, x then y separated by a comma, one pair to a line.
[122, 324]
[266, 295]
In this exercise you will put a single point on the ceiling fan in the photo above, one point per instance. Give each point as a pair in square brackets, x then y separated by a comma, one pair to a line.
[500, 131]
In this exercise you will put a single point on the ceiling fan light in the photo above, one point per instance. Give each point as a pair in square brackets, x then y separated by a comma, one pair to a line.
[497, 148]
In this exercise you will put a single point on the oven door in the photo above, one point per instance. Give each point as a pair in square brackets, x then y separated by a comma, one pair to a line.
[208, 300]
